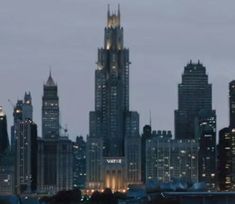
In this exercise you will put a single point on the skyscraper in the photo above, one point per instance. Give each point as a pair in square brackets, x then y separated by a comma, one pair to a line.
[50, 110]
[194, 95]
[26, 157]
[55, 151]
[112, 125]
[22, 110]
[206, 132]
[226, 148]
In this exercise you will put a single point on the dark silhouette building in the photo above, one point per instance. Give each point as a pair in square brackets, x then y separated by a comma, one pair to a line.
[4, 141]
[79, 163]
[147, 133]
[226, 154]
[194, 95]
[113, 145]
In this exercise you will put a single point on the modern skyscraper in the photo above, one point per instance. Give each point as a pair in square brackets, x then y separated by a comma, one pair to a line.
[206, 132]
[26, 157]
[23, 110]
[194, 95]
[4, 141]
[112, 125]
[226, 148]
[50, 110]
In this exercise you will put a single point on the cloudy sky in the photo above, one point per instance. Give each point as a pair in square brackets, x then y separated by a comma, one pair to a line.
[162, 35]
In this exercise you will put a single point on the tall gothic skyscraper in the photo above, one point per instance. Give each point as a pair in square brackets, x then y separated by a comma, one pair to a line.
[50, 110]
[112, 88]
[112, 126]
[194, 95]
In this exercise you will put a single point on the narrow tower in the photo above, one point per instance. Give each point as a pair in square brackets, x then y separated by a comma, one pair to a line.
[50, 109]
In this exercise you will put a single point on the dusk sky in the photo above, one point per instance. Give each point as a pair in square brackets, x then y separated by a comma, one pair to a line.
[162, 35]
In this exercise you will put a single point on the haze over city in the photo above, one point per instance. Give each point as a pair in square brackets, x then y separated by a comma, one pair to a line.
[162, 37]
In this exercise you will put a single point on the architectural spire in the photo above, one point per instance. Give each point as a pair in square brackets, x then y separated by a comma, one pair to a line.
[50, 81]
[108, 13]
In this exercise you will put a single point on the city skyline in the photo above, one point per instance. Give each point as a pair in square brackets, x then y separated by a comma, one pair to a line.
[73, 67]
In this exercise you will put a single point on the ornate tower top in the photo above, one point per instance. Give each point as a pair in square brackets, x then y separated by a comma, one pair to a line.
[114, 19]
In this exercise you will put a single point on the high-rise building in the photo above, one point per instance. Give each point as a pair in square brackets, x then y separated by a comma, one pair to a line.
[4, 141]
[17, 116]
[50, 110]
[55, 151]
[112, 126]
[226, 150]
[26, 157]
[79, 163]
[206, 132]
[194, 95]
[22, 110]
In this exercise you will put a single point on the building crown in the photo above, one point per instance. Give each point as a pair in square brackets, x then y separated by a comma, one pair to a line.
[114, 19]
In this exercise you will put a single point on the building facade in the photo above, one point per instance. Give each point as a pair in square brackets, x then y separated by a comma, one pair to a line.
[226, 154]
[168, 159]
[114, 130]
[79, 163]
[26, 157]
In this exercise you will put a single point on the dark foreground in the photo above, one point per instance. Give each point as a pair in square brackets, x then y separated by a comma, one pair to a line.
[107, 197]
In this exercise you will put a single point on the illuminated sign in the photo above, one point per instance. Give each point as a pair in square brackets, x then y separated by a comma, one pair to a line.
[114, 161]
